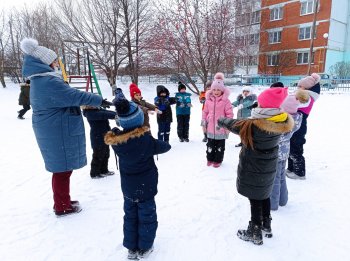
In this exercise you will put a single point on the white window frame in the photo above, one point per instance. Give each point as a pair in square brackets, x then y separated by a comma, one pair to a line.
[255, 17]
[303, 33]
[254, 39]
[307, 7]
[304, 58]
[275, 37]
[276, 13]
[272, 59]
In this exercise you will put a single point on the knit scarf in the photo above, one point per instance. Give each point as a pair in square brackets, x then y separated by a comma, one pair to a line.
[271, 114]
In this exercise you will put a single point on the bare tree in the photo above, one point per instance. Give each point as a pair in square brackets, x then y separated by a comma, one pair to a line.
[194, 36]
[277, 62]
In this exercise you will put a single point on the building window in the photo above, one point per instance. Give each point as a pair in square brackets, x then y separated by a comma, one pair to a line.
[255, 17]
[303, 58]
[254, 39]
[275, 37]
[272, 59]
[253, 60]
[276, 13]
[307, 7]
[305, 33]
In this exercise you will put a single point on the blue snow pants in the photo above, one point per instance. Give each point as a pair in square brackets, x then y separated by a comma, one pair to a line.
[164, 131]
[279, 195]
[140, 224]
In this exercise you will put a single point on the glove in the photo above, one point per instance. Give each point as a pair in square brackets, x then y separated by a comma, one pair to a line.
[151, 112]
[221, 121]
[240, 106]
[189, 104]
[106, 104]
[254, 105]
[182, 105]
[204, 129]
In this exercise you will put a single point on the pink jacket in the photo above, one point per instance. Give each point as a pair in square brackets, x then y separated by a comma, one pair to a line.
[214, 108]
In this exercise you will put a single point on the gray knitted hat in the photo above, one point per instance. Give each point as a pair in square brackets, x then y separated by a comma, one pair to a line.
[31, 47]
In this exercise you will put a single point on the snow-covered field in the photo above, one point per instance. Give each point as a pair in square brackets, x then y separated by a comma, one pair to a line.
[199, 210]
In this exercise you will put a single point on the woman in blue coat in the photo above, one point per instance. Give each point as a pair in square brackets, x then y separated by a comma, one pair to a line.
[57, 121]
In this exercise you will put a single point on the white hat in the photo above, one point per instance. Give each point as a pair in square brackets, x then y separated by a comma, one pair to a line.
[247, 88]
[31, 47]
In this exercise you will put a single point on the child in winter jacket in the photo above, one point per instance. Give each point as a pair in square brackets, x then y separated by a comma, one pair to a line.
[146, 107]
[165, 118]
[135, 147]
[279, 195]
[202, 101]
[99, 126]
[296, 160]
[256, 171]
[24, 99]
[243, 104]
[183, 112]
[217, 105]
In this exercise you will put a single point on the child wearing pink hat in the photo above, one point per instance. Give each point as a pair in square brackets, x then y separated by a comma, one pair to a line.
[216, 105]
[296, 160]
[256, 171]
[279, 195]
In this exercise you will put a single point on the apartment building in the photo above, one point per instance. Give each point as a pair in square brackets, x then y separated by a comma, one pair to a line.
[286, 32]
[247, 36]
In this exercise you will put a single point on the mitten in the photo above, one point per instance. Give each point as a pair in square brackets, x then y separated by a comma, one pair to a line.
[221, 121]
[106, 104]
[240, 106]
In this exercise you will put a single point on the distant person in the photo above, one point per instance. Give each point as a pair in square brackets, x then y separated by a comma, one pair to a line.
[99, 125]
[183, 112]
[136, 96]
[244, 103]
[216, 105]
[260, 135]
[57, 120]
[24, 99]
[164, 119]
[135, 148]
[296, 160]
[202, 101]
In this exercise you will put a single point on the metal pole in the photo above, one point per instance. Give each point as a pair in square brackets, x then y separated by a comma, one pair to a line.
[90, 77]
[312, 36]
[78, 57]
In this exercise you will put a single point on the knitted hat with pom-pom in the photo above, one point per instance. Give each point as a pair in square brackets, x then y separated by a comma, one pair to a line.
[134, 90]
[31, 47]
[309, 81]
[272, 97]
[218, 82]
[290, 104]
[130, 116]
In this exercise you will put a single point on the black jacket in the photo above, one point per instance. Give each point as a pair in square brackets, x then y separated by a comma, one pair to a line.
[257, 167]
[164, 104]
[99, 125]
[138, 172]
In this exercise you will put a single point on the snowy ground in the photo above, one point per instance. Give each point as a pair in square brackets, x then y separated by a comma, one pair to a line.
[199, 210]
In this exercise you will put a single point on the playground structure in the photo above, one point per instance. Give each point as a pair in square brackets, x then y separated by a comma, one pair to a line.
[85, 81]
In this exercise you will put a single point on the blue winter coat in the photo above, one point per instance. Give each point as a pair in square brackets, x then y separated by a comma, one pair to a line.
[57, 121]
[138, 172]
[99, 125]
[183, 103]
[245, 111]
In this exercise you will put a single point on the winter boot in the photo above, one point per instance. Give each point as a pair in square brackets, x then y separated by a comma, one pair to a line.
[145, 253]
[181, 139]
[216, 164]
[73, 210]
[266, 227]
[132, 254]
[252, 234]
[209, 163]
[108, 173]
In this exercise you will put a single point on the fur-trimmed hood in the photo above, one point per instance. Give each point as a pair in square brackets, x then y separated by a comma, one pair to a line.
[275, 127]
[209, 94]
[116, 136]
